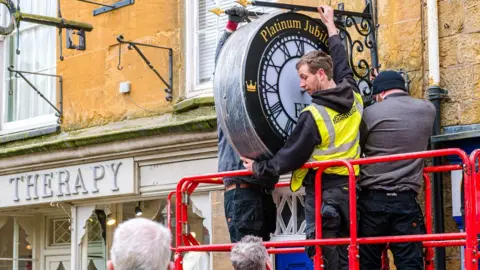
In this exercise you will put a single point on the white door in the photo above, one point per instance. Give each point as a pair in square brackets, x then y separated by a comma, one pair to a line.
[57, 262]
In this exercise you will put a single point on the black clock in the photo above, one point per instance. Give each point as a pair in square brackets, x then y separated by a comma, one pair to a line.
[281, 97]
[257, 89]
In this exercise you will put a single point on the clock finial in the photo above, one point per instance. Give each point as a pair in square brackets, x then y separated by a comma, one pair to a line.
[244, 3]
[217, 11]
[251, 87]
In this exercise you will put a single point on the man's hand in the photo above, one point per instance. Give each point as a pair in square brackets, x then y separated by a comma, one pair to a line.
[237, 14]
[326, 15]
[373, 74]
[248, 163]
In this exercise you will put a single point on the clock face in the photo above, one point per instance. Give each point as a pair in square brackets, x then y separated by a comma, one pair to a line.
[274, 99]
[281, 96]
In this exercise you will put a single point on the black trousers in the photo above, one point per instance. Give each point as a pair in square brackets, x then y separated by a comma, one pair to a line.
[384, 213]
[250, 211]
[335, 224]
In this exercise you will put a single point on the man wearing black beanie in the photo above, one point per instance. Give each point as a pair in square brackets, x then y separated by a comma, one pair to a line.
[387, 202]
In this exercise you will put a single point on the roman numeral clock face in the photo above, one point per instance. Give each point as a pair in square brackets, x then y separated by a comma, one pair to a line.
[274, 98]
[282, 98]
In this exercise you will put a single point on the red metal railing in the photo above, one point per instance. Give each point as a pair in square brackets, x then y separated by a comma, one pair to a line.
[428, 220]
[468, 238]
[474, 160]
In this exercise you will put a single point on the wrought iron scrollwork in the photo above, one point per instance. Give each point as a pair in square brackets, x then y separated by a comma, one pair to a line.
[362, 69]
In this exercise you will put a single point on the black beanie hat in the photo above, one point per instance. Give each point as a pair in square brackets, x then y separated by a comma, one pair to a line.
[388, 80]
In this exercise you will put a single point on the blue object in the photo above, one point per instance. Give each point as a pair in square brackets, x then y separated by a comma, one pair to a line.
[467, 145]
[459, 221]
[293, 261]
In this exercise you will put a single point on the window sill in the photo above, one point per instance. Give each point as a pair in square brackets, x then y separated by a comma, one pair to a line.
[193, 103]
[27, 134]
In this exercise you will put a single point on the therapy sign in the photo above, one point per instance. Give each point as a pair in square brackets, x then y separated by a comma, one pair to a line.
[68, 183]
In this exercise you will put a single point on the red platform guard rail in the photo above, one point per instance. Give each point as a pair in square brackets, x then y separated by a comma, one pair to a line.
[468, 238]
[475, 165]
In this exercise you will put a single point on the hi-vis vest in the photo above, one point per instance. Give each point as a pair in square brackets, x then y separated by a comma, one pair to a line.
[340, 138]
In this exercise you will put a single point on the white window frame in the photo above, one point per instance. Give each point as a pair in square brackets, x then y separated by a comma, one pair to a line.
[49, 233]
[30, 123]
[191, 52]
[192, 88]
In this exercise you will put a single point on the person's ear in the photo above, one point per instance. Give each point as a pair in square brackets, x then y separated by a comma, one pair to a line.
[110, 265]
[321, 73]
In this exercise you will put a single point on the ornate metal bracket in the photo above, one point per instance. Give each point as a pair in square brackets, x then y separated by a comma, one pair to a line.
[364, 25]
[18, 16]
[106, 8]
[135, 45]
[59, 110]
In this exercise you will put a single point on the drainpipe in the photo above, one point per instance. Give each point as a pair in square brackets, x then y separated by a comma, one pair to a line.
[435, 95]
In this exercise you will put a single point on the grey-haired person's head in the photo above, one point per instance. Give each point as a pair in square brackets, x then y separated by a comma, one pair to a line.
[249, 254]
[140, 244]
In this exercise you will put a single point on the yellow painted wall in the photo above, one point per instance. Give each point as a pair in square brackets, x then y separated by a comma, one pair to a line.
[91, 78]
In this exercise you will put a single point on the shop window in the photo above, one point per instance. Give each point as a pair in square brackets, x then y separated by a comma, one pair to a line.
[61, 234]
[94, 241]
[95, 231]
[16, 251]
[199, 220]
[100, 221]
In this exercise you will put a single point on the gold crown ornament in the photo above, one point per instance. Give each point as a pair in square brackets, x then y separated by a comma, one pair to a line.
[251, 87]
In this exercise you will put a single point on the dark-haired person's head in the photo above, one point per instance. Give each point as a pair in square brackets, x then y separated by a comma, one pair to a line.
[315, 70]
[387, 82]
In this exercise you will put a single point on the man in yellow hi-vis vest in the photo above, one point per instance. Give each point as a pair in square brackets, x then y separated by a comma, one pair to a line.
[328, 129]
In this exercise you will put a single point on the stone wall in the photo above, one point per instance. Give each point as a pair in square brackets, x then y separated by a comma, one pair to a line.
[459, 32]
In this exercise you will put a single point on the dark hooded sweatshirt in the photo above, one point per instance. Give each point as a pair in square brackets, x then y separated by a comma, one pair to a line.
[305, 137]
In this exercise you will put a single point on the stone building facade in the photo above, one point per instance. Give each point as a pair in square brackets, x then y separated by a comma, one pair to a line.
[158, 142]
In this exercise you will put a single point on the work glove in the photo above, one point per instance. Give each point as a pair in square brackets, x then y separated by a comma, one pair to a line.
[237, 14]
